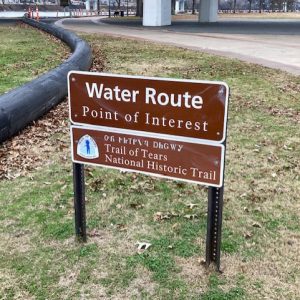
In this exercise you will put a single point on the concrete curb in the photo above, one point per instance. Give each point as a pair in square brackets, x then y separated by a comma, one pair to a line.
[21, 106]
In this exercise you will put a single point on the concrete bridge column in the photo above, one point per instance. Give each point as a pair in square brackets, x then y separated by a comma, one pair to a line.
[208, 11]
[95, 6]
[88, 5]
[157, 13]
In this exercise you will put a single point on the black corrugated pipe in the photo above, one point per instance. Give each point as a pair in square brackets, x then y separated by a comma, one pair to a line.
[21, 106]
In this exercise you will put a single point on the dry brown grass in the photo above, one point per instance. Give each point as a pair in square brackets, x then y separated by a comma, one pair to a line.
[253, 15]
[261, 236]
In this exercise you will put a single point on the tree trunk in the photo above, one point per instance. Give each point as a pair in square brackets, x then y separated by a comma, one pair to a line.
[234, 6]
[250, 6]
[193, 7]
[139, 8]
[292, 5]
[260, 6]
[173, 6]
[272, 6]
[280, 5]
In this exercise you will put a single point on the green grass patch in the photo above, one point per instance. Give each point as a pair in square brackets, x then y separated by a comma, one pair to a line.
[26, 53]
[40, 257]
[215, 291]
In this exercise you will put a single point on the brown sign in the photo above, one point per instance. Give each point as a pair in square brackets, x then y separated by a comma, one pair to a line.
[193, 109]
[198, 163]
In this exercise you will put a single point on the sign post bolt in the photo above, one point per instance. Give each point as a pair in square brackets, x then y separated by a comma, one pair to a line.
[79, 201]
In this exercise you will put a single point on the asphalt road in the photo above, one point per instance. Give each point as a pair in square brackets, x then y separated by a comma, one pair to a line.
[272, 43]
[224, 26]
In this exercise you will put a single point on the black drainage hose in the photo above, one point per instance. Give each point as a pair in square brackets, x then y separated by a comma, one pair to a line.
[21, 106]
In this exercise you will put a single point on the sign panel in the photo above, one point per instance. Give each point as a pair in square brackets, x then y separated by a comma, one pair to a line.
[195, 110]
[192, 162]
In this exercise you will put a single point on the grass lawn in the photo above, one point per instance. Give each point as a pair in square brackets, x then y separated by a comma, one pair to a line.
[264, 15]
[26, 53]
[252, 15]
[40, 258]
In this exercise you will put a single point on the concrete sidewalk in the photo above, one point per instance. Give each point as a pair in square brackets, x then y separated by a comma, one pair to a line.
[255, 42]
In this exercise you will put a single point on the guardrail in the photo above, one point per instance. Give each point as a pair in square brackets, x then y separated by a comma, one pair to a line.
[21, 106]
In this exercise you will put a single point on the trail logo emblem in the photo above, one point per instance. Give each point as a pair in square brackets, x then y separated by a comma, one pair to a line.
[87, 147]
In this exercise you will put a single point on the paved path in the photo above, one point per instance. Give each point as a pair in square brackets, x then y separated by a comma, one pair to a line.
[271, 43]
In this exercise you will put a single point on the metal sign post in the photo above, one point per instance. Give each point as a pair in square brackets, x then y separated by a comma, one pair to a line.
[79, 201]
[214, 223]
[214, 226]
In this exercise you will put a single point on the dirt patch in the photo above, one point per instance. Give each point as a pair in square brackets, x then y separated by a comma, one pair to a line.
[69, 278]
[22, 153]
[280, 254]
[263, 15]
[194, 273]
[15, 243]
[106, 240]
[10, 284]
[140, 285]
[92, 292]
[246, 15]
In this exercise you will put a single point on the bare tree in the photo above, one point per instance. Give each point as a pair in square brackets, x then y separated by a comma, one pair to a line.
[250, 6]
[234, 6]
[272, 5]
[260, 6]
[291, 5]
[118, 3]
[193, 7]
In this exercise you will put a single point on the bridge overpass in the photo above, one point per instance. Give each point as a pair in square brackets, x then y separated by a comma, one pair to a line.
[158, 12]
